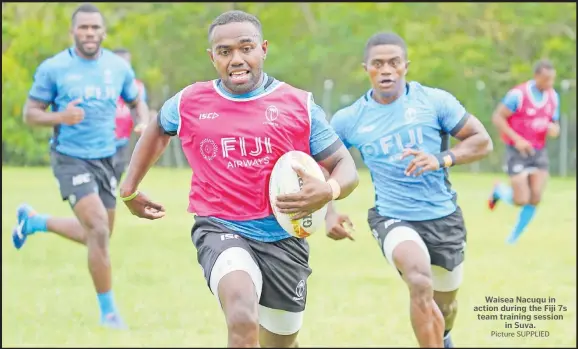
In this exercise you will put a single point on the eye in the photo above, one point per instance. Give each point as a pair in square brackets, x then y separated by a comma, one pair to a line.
[224, 52]
[377, 64]
[396, 62]
[247, 49]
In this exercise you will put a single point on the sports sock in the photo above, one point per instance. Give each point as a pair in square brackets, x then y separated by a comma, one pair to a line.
[526, 214]
[505, 193]
[106, 303]
[37, 223]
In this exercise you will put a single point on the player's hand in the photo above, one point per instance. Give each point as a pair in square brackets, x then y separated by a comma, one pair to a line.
[420, 163]
[338, 227]
[73, 114]
[524, 147]
[553, 130]
[314, 194]
[141, 206]
[140, 128]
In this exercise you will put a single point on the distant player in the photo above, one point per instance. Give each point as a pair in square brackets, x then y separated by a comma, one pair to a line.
[233, 130]
[125, 123]
[82, 85]
[402, 131]
[525, 117]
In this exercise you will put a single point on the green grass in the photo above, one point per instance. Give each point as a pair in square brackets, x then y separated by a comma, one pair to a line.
[355, 298]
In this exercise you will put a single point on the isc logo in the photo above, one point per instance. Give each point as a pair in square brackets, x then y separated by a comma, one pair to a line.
[229, 236]
[204, 116]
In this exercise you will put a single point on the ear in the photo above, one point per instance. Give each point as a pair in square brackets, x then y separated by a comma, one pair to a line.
[211, 57]
[265, 48]
[364, 66]
[407, 67]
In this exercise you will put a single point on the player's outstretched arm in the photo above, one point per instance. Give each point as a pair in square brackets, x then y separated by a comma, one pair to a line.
[148, 149]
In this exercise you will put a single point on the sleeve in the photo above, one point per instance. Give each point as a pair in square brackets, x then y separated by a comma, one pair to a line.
[512, 100]
[44, 87]
[169, 117]
[340, 123]
[130, 88]
[323, 140]
[556, 117]
[452, 115]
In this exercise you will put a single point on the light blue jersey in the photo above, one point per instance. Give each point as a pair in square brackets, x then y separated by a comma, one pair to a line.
[422, 118]
[66, 77]
[514, 98]
[322, 137]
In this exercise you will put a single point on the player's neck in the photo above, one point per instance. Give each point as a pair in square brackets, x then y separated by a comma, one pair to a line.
[83, 56]
[388, 99]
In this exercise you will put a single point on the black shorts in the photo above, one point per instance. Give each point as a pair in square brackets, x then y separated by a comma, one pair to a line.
[516, 163]
[284, 264]
[445, 238]
[121, 161]
[78, 178]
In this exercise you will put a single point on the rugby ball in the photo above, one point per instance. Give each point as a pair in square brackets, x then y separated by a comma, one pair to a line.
[284, 180]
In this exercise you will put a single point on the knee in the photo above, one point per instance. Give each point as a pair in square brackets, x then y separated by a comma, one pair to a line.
[98, 233]
[242, 319]
[449, 309]
[420, 285]
[521, 200]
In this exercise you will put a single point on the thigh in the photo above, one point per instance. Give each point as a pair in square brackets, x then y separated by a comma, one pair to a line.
[104, 173]
[445, 239]
[285, 268]
[537, 180]
[221, 251]
[391, 232]
[75, 177]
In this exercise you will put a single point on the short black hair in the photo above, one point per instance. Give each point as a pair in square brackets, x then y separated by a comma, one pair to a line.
[235, 16]
[86, 8]
[541, 65]
[121, 51]
[384, 39]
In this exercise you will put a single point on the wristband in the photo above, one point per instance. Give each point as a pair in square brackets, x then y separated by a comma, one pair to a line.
[335, 188]
[130, 197]
[446, 159]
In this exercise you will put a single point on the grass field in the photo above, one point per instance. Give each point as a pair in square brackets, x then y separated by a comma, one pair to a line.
[355, 298]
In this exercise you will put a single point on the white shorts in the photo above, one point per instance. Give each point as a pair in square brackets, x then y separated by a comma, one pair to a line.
[443, 280]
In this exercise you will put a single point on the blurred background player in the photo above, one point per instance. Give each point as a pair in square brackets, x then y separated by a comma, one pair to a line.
[82, 84]
[526, 116]
[402, 131]
[125, 122]
[233, 130]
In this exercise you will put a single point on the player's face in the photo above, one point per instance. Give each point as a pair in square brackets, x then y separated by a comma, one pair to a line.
[545, 79]
[238, 53]
[386, 66]
[88, 32]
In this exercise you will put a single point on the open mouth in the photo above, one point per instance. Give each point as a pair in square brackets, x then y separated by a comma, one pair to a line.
[386, 82]
[239, 77]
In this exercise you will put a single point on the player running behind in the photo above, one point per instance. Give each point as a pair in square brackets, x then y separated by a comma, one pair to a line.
[402, 131]
[526, 116]
[82, 84]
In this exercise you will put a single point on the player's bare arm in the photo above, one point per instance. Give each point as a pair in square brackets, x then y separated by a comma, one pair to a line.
[337, 226]
[139, 110]
[475, 143]
[343, 179]
[148, 149]
[500, 120]
[35, 114]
